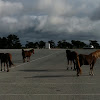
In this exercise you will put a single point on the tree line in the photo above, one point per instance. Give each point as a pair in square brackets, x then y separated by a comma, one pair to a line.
[13, 42]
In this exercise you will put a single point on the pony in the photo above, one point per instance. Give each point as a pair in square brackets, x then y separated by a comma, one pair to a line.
[89, 60]
[71, 57]
[6, 58]
[27, 54]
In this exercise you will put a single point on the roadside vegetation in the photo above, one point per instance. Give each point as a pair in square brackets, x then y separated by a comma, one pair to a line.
[13, 42]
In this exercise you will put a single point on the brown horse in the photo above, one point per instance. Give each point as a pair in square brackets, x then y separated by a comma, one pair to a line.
[89, 60]
[72, 56]
[27, 54]
[6, 58]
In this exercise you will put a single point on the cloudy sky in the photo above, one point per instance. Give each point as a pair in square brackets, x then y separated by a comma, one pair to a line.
[35, 20]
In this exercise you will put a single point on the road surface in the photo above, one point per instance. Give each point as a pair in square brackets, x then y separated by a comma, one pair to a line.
[45, 78]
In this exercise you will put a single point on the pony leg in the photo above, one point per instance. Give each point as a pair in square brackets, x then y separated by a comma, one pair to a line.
[90, 70]
[94, 61]
[78, 67]
[29, 59]
[1, 66]
[67, 67]
[23, 60]
[92, 65]
[67, 64]
[78, 71]
[7, 67]
[71, 64]
[74, 65]
[4, 66]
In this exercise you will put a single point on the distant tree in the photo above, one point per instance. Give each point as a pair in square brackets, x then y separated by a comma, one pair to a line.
[32, 45]
[41, 44]
[13, 42]
[59, 44]
[94, 43]
[3, 43]
[69, 45]
[52, 44]
[36, 45]
[64, 44]
[78, 44]
[29, 44]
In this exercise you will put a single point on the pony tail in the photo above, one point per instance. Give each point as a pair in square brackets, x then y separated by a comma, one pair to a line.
[10, 62]
[78, 63]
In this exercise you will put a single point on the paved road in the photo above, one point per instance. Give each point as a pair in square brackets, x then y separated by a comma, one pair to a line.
[45, 78]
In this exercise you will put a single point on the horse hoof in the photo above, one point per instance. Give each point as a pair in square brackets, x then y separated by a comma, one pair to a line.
[89, 73]
[77, 74]
[92, 74]
[7, 70]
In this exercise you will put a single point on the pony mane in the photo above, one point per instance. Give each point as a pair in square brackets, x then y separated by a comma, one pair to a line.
[96, 54]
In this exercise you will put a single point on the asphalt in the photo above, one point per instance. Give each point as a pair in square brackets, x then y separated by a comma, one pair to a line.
[45, 77]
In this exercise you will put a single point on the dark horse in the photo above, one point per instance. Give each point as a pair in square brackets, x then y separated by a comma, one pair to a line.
[89, 60]
[71, 57]
[6, 58]
[27, 54]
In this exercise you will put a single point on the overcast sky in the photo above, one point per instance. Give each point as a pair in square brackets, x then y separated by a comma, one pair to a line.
[35, 20]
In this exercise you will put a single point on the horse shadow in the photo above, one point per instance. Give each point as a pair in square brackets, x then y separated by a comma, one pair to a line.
[43, 70]
[35, 70]
[51, 76]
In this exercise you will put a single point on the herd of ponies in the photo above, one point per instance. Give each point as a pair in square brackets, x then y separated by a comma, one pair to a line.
[6, 58]
[82, 59]
[72, 57]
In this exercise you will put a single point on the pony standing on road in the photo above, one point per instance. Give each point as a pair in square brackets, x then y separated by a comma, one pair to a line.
[6, 58]
[27, 54]
[89, 60]
[72, 56]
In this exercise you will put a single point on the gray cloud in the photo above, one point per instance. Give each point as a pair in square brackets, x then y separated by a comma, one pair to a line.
[50, 19]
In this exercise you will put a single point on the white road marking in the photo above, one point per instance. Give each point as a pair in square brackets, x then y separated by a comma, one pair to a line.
[50, 83]
[36, 59]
